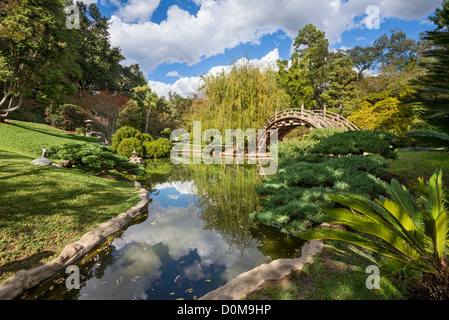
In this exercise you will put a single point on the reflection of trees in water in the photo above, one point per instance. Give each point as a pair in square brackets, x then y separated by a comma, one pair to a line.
[227, 192]
[163, 171]
[228, 199]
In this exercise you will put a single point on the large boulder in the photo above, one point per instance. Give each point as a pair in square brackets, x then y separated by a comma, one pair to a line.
[42, 162]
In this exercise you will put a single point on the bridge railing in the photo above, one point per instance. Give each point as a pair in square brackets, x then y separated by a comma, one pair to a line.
[313, 116]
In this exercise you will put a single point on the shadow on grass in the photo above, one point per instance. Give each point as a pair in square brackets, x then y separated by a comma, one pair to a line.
[45, 208]
[46, 190]
[26, 263]
[62, 134]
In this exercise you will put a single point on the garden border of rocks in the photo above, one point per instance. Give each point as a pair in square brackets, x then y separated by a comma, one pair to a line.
[25, 280]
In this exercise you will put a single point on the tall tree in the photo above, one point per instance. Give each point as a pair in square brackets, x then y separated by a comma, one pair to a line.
[365, 58]
[178, 107]
[130, 77]
[433, 87]
[148, 100]
[35, 53]
[293, 78]
[342, 84]
[312, 48]
[243, 98]
[98, 59]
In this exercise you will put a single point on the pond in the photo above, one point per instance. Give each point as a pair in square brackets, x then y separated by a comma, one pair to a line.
[196, 237]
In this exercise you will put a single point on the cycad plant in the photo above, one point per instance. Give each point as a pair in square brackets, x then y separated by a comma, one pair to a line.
[412, 231]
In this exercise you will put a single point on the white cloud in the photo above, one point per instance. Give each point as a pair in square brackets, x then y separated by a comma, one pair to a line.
[137, 10]
[173, 74]
[219, 25]
[89, 1]
[185, 87]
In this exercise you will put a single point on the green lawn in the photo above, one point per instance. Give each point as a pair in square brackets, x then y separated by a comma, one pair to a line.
[42, 209]
[338, 273]
[411, 165]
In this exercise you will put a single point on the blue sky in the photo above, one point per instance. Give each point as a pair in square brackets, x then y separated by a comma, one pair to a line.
[176, 41]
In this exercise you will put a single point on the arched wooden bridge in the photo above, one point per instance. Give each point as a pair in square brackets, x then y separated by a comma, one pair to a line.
[287, 120]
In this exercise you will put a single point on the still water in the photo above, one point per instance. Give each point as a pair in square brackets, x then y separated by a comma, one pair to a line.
[196, 237]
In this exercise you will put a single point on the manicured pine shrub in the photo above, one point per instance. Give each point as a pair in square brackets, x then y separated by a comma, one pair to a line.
[308, 171]
[357, 143]
[94, 157]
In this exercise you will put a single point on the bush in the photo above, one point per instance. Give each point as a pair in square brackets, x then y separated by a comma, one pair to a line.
[128, 145]
[294, 199]
[160, 148]
[94, 157]
[123, 133]
[357, 143]
[80, 131]
[146, 137]
[166, 133]
[66, 117]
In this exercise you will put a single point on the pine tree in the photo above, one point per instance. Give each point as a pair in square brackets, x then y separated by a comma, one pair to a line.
[433, 87]
[342, 84]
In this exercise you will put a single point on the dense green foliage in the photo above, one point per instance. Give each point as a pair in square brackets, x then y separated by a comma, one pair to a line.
[36, 57]
[159, 148]
[66, 117]
[414, 233]
[433, 86]
[126, 139]
[128, 145]
[293, 199]
[95, 157]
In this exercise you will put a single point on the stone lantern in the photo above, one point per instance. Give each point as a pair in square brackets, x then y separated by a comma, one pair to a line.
[89, 127]
[135, 159]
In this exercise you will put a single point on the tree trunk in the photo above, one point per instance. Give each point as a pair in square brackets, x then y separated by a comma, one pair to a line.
[148, 119]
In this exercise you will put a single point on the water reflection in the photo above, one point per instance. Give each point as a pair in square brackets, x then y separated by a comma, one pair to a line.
[197, 236]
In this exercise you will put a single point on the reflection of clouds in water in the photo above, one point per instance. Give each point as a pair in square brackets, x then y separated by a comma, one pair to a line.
[180, 229]
[175, 228]
[186, 187]
[129, 277]
[194, 272]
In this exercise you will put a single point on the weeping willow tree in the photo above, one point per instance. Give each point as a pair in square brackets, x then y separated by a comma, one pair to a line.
[243, 98]
[228, 199]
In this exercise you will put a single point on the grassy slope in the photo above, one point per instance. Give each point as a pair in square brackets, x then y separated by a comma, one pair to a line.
[42, 209]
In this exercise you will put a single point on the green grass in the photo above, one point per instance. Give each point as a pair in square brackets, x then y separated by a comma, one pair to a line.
[338, 273]
[42, 209]
[412, 164]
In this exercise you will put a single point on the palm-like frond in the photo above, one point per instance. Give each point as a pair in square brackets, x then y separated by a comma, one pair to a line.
[404, 231]
[434, 138]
